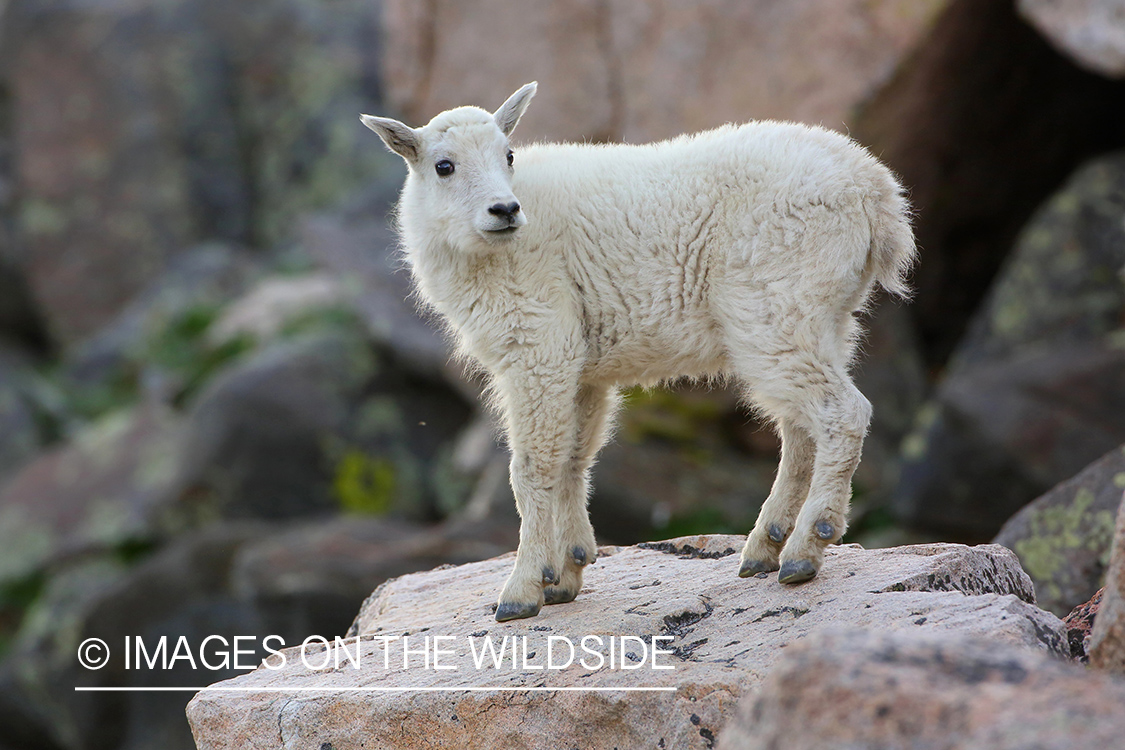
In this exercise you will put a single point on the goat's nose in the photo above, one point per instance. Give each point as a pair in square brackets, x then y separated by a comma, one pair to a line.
[505, 210]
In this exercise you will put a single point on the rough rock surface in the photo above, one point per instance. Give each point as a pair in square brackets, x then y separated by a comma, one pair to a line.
[1091, 32]
[641, 71]
[864, 689]
[724, 635]
[1107, 640]
[1079, 625]
[1063, 538]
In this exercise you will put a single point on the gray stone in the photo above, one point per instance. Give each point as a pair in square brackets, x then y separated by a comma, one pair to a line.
[1063, 538]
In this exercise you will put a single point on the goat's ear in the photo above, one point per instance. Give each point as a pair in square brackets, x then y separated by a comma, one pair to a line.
[512, 110]
[399, 138]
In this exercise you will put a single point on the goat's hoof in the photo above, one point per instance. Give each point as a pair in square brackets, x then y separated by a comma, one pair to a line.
[776, 535]
[558, 595]
[550, 576]
[754, 567]
[796, 571]
[514, 611]
[581, 557]
[825, 530]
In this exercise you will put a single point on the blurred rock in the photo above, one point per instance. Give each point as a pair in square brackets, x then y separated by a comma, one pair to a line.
[358, 246]
[637, 72]
[275, 303]
[874, 689]
[726, 634]
[890, 372]
[187, 293]
[683, 461]
[228, 580]
[982, 123]
[144, 127]
[310, 579]
[1079, 624]
[21, 435]
[1107, 639]
[1063, 538]
[1091, 32]
[319, 422]
[1032, 394]
[112, 487]
[103, 199]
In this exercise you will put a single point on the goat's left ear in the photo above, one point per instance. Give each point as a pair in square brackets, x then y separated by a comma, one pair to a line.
[398, 137]
[512, 110]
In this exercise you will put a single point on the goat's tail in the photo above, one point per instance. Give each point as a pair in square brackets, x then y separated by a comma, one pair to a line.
[892, 251]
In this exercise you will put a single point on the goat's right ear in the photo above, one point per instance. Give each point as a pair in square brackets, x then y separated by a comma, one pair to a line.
[399, 138]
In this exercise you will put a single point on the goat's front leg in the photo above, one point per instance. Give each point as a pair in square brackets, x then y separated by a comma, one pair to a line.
[540, 411]
[595, 408]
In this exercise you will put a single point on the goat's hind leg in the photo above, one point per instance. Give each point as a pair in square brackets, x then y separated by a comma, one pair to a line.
[577, 546]
[839, 425]
[779, 512]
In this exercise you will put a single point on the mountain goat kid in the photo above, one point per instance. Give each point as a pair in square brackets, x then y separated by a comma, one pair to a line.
[572, 270]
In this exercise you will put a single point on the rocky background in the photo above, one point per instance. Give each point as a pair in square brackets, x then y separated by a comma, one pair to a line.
[221, 414]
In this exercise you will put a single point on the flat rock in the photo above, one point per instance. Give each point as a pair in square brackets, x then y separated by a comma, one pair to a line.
[854, 689]
[721, 637]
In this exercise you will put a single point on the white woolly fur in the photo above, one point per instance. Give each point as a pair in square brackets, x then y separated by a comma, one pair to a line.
[739, 252]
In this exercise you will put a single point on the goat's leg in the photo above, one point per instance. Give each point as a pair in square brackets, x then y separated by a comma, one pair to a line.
[577, 547]
[541, 428]
[839, 424]
[779, 512]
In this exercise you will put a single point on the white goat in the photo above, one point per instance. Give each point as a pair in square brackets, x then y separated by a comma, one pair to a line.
[742, 251]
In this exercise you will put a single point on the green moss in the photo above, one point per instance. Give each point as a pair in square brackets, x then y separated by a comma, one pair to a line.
[1055, 530]
[364, 484]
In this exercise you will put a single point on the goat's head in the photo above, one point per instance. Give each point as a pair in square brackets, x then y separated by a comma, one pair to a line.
[461, 167]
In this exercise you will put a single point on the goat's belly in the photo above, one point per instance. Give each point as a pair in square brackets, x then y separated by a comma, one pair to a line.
[649, 360]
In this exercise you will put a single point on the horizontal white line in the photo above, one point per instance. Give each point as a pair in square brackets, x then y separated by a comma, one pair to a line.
[369, 689]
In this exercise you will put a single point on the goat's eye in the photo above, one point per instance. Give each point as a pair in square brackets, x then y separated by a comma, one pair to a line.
[444, 168]
[511, 158]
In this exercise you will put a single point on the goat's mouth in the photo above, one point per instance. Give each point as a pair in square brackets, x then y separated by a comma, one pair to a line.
[502, 232]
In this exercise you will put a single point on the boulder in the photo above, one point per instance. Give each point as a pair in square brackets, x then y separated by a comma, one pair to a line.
[873, 689]
[319, 422]
[358, 247]
[720, 637]
[1063, 538]
[198, 120]
[622, 71]
[1024, 402]
[111, 488]
[1090, 32]
[157, 338]
[1107, 639]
